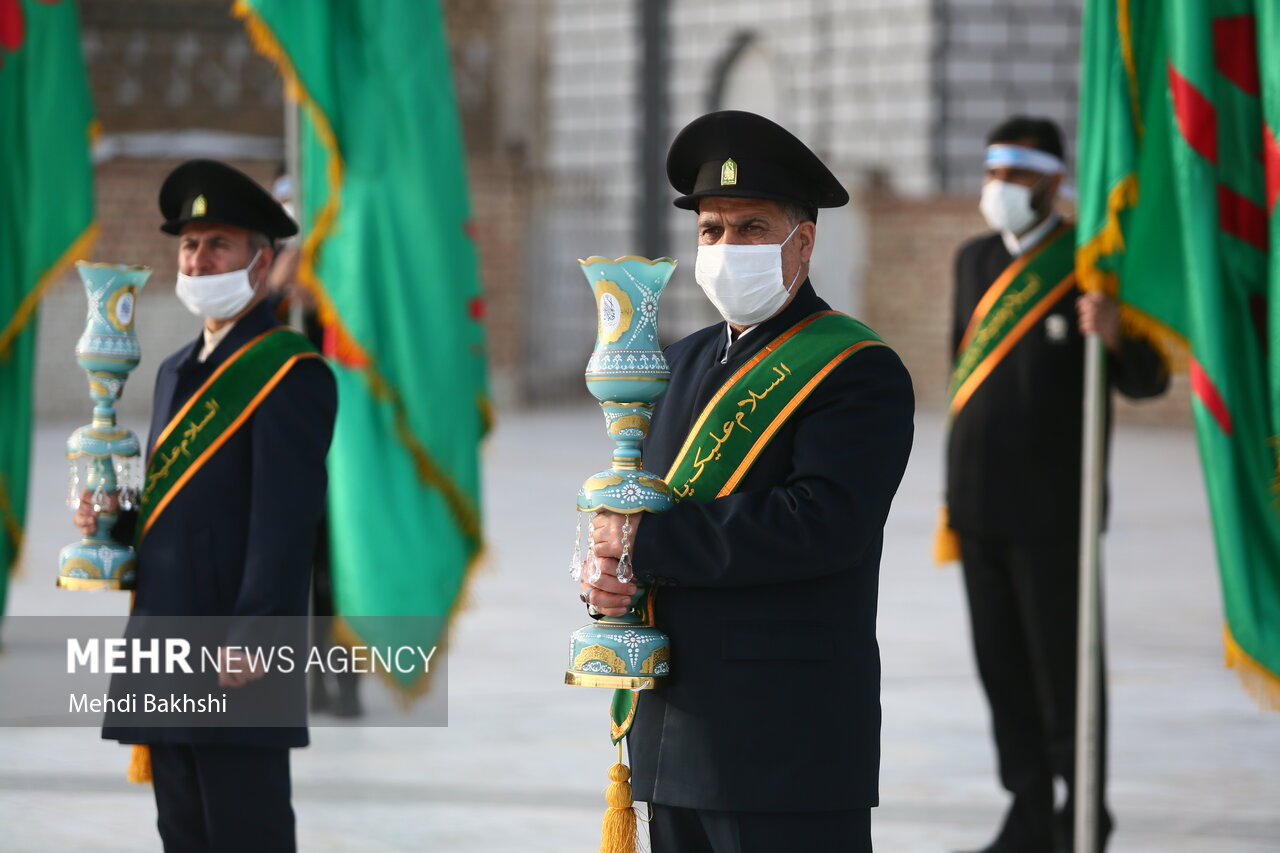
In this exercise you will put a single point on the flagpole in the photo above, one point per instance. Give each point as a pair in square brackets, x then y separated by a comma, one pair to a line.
[1089, 633]
[293, 168]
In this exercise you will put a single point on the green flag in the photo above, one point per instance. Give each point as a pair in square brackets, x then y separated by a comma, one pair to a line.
[1179, 175]
[390, 258]
[46, 215]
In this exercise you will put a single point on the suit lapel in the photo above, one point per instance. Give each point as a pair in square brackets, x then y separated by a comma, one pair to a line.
[182, 374]
[713, 374]
[701, 375]
[167, 387]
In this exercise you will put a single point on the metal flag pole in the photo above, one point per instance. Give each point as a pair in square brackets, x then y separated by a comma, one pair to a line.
[293, 168]
[1089, 633]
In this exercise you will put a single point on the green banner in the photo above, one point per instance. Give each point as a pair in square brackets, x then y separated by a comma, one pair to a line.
[1179, 176]
[46, 215]
[389, 255]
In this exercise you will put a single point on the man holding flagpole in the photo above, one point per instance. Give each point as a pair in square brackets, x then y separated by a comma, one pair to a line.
[1014, 470]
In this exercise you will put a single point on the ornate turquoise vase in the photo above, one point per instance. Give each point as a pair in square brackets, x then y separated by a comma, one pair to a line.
[626, 373]
[102, 455]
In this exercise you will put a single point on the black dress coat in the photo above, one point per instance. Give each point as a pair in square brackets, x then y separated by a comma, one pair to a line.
[237, 540]
[1014, 450]
[769, 594]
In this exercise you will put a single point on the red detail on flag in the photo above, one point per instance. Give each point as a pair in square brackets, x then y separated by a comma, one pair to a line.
[1271, 165]
[475, 308]
[1202, 386]
[11, 24]
[328, 341]
[469, 228]
[1235, 51]
[1242, 218]
[1196, 116]
[341, 348]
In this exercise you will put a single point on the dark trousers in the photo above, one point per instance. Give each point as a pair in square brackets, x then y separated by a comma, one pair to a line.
[223, 798]
[676, 830]
[1023, 605]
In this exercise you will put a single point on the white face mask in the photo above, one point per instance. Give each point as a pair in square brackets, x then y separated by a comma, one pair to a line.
[219, 296]
[744, 282]
[1007, 206]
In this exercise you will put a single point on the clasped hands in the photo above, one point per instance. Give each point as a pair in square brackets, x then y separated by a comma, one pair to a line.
[607, 594]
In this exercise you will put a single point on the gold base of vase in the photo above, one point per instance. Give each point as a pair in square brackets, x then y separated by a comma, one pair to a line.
[613, 680]
[93, 583]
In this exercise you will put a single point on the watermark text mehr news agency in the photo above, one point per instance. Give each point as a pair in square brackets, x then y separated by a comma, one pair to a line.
[173, 655]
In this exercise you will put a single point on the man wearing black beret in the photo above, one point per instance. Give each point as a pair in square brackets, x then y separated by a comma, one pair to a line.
[235, 488]
[767, 735]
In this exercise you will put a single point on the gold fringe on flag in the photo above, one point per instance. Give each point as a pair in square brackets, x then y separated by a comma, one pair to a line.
[265, 43]
[1124, 27]
[1258, 681]
[22, 315]
[1108, 241]
[1171, 346]
[27, 308]
[467, 517]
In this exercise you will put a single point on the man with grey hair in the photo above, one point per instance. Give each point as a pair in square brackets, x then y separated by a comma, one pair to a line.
[235, 489]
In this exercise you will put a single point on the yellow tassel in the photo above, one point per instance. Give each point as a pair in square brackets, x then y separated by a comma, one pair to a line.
[139, 772]
[1258, 681]
[619, 833]
[946, 545]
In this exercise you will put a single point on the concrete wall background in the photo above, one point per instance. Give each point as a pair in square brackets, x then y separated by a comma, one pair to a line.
[129, 233]
[995, 59]
[896, 95]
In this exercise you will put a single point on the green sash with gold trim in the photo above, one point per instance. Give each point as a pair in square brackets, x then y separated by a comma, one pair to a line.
[742, 418]
[1015, 302]
[213, 414]
[1011, 306]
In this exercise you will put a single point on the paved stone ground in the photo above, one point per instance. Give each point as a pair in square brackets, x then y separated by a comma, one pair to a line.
[1195, 767]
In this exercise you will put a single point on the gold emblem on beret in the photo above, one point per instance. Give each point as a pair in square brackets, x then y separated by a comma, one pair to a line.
[199, 207]
[729, 173]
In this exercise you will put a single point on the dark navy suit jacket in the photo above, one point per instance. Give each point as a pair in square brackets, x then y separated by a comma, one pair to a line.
[1014, 450]
[238, 539]
[769, 594]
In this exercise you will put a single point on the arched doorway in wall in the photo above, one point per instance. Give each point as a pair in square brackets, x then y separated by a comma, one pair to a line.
[749, 76]
[746, 78]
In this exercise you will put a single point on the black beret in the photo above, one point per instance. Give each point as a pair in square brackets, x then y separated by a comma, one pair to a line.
[743, 155]
[211, 191]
